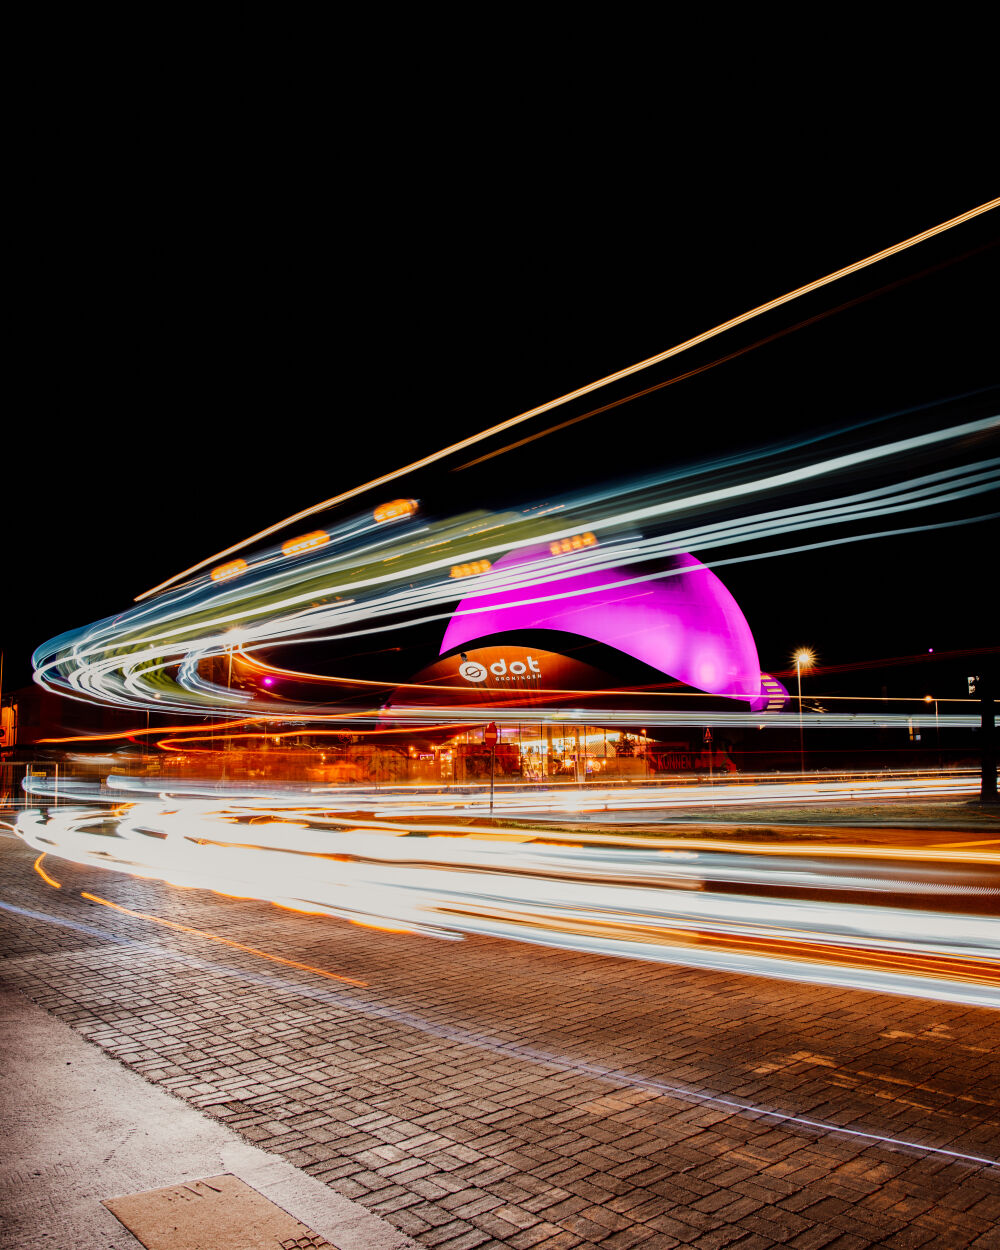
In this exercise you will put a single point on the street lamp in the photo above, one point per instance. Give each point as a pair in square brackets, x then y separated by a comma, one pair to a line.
[804, 658]
[929, 698]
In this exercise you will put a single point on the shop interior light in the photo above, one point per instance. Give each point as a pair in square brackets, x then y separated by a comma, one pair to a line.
[576, 543]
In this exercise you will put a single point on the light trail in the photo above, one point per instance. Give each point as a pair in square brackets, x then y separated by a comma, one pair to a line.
[599, 798]
[704, 337]
[830, 916]
[794, 911]
[151, 657]
[43, 874]
[554, 798]
[397, 808]
[215, 937]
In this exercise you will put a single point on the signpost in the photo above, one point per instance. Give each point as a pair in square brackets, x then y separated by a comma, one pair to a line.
[490, 735]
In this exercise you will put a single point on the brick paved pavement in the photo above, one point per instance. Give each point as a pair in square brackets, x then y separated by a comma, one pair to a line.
[486, 1094]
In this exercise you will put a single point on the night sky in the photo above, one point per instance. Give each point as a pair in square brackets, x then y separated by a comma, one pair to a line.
[193, 377]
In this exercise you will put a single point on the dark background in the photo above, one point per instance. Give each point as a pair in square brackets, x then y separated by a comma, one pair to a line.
[199, 363]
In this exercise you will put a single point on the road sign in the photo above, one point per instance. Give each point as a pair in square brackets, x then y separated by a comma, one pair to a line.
[708, 734]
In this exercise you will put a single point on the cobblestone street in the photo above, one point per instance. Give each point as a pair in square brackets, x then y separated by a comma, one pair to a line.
[487, 1094]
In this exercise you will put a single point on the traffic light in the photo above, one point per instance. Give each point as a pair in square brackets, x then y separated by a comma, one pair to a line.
[973, 682]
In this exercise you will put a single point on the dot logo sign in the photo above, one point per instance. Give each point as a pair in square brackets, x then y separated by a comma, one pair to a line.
[517, 667]
[502, 670]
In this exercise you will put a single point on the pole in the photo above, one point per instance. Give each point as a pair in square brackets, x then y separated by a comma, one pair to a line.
[802, 747]
[988, 782]
[937, 733]
[11, 743]
[229, 686]
[493, 753]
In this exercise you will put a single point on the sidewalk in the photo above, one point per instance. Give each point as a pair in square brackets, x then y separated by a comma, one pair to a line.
[78, 1128]
[473, 1095]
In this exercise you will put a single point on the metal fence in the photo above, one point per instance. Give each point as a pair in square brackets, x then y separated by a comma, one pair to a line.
[14, 795]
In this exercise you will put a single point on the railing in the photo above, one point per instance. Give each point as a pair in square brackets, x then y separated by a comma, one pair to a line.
[58, 784]
[13, 794]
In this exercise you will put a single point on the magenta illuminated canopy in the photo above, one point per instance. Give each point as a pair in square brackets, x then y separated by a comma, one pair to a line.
[683, 622]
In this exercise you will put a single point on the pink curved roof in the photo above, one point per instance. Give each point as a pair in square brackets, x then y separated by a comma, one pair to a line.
[684, 623]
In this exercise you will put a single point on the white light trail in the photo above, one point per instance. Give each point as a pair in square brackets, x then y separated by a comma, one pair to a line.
[705, 336]
[149, 656]
[661, 901]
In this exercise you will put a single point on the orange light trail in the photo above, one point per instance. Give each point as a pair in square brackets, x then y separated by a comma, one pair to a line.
[163, 729]
[816, 285]
[170, 744]
[214, 937]
[798, 948]
[727, 903]
[696, 371]
[664, 688]
[381, 928]
[521, 698]
[43, 874]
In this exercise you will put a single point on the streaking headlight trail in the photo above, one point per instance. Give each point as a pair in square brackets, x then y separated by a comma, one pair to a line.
[841, 915]
[358, 579]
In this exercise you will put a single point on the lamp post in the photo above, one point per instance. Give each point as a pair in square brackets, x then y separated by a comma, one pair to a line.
[929, 698]
[804, 658]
